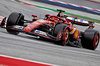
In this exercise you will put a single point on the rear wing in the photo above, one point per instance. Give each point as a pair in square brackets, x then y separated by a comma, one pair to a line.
[79, 21]
[75, 20]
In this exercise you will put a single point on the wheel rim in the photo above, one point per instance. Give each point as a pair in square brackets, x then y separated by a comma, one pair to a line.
[59, 35]
[96, 41]
[65, 38]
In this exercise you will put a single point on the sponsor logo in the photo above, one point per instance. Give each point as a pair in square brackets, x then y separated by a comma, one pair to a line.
[19, 27]
[37, 31]
[40, 32]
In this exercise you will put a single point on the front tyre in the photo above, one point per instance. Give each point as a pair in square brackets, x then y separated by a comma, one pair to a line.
[61, 31]
[14, 19]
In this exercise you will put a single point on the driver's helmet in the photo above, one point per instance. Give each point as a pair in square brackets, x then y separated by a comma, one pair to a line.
[55, 18]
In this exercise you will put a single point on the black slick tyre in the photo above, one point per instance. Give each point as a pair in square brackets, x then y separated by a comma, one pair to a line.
[90, 39]
[62, 32]
[14, 19]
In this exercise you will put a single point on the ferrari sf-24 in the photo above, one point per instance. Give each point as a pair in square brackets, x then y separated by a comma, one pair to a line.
[59, 28]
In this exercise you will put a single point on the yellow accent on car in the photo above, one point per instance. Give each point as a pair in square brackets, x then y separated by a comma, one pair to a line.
[36, 22]
[71, 32]
[76, 34]
[54, 24]
[49, 22]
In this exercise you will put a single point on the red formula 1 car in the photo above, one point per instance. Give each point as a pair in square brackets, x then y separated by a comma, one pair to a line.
[58, 28]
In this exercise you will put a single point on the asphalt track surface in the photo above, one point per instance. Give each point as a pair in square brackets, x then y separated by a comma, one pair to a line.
[83, 3]
[29, 47]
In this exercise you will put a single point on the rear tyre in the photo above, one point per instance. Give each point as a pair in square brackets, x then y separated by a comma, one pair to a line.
[14, 19]
[90, 39]
[61, 31]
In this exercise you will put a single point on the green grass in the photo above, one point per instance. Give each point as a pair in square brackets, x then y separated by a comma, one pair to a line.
[70, 14]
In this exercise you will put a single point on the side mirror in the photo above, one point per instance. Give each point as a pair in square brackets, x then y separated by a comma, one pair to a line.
[34, 16]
